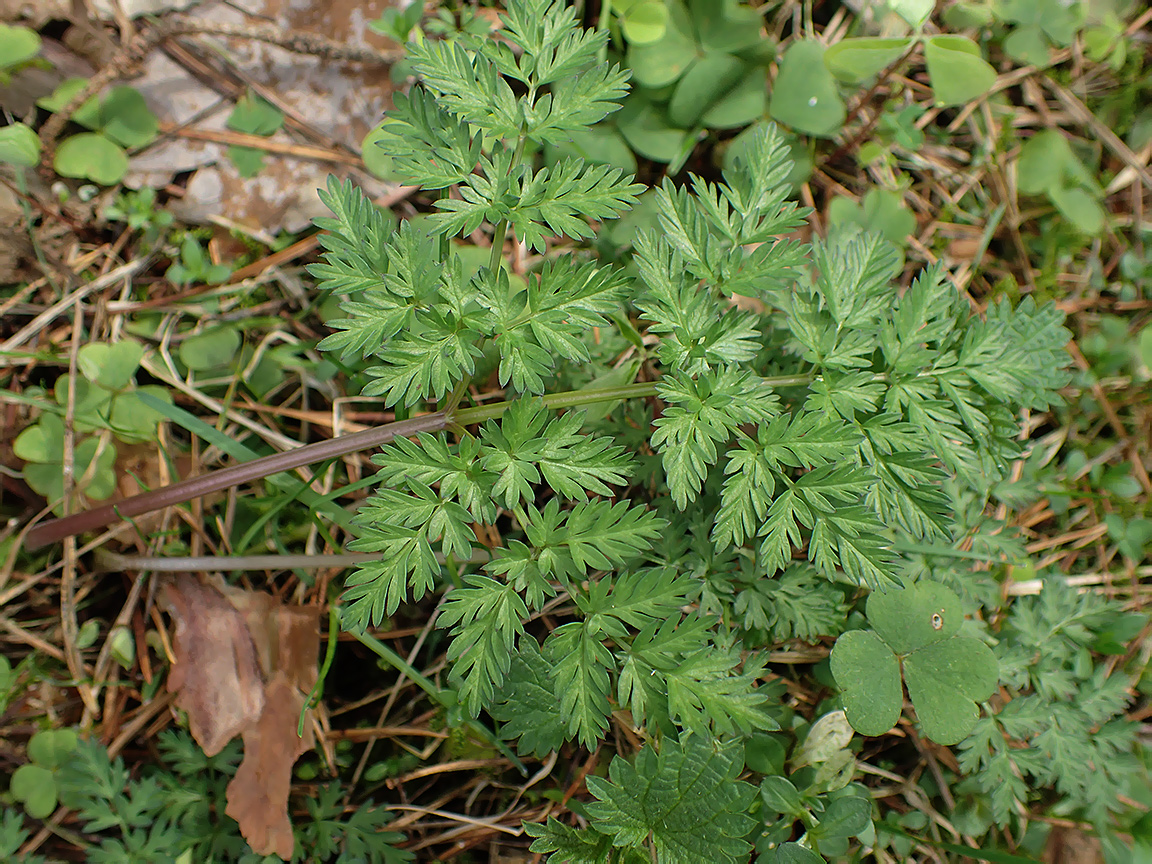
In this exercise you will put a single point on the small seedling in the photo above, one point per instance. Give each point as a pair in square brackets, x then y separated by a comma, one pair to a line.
[120, 120]
[137, 208]
[104, 397]
[253, 115]
[194, 266]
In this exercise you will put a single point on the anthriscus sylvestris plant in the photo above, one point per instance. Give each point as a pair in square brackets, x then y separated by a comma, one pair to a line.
[697, 477]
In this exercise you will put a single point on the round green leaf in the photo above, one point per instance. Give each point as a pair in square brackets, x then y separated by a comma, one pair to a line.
[868, 673]
[915, 12]
[662, 62]
[836, 773]
[17, 44]
[52, 747]
[764, 754]
[91, 156]
[103, 477]
[1079, 207]
[89, 633]
[963, 16]
[790, 853]
[738, 29]
[645, 23]
[647, 130]
[780, 796]
[884, 211]
[111, 365]
[19, 146]
[63, 94]
[211, 349]
[126, 118]
[909, 618]
[132, 420]
[706, 80]
[805, 95]
[845, 817]
[35, 445]
[828, 735]
[122, 647]
[956, 70]
[745, 103]
[1042, 163]
[1144, 349]
[35, 787]
[858, 59]
[945, 681]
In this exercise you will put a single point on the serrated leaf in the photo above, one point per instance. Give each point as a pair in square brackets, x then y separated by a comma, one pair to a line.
[528, 705]
[581, 666]
[706, 697]
[486, 618]
[701, 414]
[577, 846]
[685, 800]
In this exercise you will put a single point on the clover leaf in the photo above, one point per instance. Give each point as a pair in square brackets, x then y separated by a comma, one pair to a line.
[805, 95]
[34, 784]
[1047, 166]
[42, 447]
[118, 120]
[106, 396]
[956, 70]
[19, 146]
[17, 44]
[914, 627]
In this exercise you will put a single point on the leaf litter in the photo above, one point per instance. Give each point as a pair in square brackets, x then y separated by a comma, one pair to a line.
[243, 665]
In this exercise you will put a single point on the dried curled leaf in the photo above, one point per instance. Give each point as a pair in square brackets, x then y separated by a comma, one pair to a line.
[242, 666]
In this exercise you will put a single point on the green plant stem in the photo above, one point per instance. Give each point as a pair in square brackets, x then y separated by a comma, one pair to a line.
[329, 655]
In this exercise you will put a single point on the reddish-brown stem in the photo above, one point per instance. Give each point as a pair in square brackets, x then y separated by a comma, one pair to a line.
[225, 478]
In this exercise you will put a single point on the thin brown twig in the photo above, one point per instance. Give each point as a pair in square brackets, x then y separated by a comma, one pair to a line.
[255, 469]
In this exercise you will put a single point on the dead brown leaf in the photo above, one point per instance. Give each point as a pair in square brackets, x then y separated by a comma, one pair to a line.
[243, 664]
